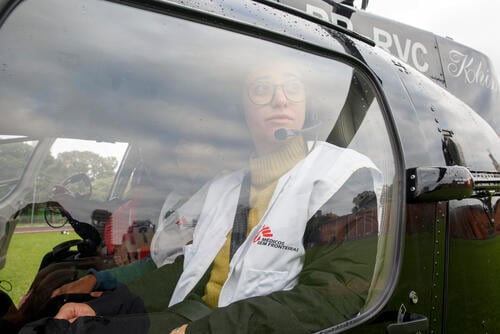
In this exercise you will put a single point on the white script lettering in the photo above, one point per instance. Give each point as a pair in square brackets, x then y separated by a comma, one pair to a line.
[473, 71]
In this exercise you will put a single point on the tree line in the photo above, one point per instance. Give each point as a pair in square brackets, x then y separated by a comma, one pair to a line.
[15, 156]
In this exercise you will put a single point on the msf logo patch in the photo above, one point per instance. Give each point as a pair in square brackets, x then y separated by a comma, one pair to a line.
[265, 238]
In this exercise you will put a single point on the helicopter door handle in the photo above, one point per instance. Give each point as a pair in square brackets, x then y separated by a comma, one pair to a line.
[416, 323]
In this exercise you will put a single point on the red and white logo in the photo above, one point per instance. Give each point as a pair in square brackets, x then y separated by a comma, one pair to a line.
[264, 232]
[265, 238]
[182, 220]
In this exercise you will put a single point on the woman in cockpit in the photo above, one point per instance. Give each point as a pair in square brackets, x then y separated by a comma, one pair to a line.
[259, 261]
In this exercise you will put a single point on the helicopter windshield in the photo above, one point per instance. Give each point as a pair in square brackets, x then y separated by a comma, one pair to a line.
[135, 137]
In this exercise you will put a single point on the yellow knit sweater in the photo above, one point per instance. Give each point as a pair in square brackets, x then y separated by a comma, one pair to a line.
[265, 172]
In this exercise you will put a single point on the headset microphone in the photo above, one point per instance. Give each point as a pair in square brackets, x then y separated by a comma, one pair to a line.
[284, 134]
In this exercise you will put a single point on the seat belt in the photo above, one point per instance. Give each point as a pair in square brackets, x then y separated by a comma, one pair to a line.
[240, 224]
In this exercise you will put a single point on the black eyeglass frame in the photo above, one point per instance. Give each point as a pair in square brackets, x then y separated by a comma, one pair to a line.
[283, 89]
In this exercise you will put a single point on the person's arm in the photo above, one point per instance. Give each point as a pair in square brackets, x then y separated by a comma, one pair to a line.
[111, 303]
[108, 279]
[150, 293]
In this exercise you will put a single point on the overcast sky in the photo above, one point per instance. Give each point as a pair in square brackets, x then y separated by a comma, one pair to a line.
[472, 23]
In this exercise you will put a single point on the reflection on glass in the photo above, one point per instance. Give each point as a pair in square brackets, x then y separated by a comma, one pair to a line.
[14, 156]
[266, 162]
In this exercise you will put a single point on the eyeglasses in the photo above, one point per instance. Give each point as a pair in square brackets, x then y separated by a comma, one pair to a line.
[262, 92]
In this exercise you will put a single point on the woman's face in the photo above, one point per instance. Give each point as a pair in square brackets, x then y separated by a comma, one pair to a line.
[274, 98]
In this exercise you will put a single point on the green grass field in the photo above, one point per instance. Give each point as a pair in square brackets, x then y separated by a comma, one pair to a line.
[26, 250]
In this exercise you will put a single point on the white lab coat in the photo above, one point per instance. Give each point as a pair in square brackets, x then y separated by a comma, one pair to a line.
[176, 224]
[263, 264]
